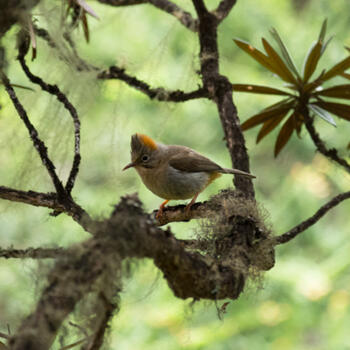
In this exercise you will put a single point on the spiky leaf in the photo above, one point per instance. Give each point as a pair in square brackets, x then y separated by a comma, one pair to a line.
[266, 114]
[339, 109]
[270, 125]
[284, 135]
[278, 64]
[255, 53]
[322, 113]
[338, 69]
[337, 91]
[311, 60]
[284, 51]
[258, 89]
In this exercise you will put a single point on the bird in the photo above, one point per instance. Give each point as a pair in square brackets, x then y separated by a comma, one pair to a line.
[174, 172]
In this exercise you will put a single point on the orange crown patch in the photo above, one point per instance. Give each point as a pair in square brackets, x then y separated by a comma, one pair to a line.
[147, 141]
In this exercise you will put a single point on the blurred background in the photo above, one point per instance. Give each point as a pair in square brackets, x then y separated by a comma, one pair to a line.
[303, 302]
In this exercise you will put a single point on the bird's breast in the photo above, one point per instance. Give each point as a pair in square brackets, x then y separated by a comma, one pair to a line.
[170, 183]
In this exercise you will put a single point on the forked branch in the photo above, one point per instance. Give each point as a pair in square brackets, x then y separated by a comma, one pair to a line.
[33, 133]
[61, 97]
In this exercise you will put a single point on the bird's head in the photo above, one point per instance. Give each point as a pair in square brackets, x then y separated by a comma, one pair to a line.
[144, 152]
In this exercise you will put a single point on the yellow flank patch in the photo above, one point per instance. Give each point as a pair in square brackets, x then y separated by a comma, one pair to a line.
[147, 141]
[213, 176]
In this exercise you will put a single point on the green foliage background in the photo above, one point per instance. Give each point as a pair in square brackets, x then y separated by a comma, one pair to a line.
[302, 303]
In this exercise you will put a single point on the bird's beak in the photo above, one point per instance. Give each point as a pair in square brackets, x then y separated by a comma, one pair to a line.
[130, 165]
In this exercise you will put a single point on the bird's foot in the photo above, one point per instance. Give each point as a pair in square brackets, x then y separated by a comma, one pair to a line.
[160, 211]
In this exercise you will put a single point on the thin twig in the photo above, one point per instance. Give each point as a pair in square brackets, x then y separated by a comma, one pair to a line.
[71, 346]
[77, 61]
[98, 337]
[54, 90]
[331, 153]
[184, 17]
[38, 143]
[289, 235]
[159, 94]
[32, 253]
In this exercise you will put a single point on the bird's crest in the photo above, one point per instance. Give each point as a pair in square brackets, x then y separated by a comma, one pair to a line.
[145, 141]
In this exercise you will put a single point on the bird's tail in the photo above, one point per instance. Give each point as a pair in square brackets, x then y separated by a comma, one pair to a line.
[237, 172]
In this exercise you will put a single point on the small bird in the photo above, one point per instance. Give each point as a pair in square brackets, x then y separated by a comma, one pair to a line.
[172, 171]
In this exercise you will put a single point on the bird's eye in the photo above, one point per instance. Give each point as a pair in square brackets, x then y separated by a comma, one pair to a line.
[145, 158]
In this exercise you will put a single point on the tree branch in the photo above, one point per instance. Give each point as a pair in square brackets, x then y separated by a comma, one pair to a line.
[159, 94]
[220, 90]
[61, 97]
[223, 10]
[320, 145]
[38, 144]
[38, 199]
[52, 201]
[184, 17]
[289, 235]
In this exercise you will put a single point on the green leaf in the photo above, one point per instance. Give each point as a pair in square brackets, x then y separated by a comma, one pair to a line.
[322, 113]
[258, 89]
[337, 91]
[255, 53]
[339, 109]
[278, 64]
[268, 113]
[269, 125]
[284, 135]
[337, 69]
[284, 51]
[311, 60]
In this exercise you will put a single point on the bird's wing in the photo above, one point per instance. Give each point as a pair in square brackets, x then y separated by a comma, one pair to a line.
[193, 162]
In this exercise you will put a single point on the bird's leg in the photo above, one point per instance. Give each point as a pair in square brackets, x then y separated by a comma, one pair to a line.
[189, 205]
[160, 211]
